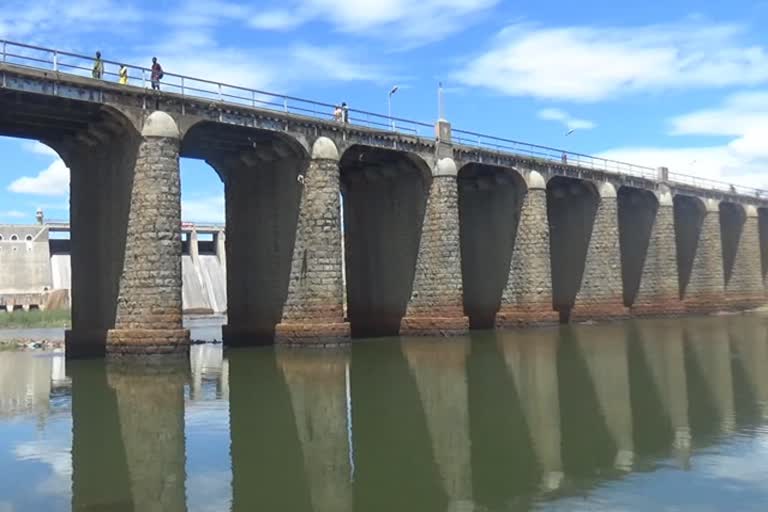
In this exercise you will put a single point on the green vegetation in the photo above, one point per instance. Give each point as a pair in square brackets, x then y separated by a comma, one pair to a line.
[35, 319]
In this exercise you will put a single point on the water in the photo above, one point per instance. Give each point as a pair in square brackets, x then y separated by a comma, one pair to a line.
[641, 415]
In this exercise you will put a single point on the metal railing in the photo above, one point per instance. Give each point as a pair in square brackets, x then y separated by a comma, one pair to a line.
[553, 154]
[36, 57]
[203, 227]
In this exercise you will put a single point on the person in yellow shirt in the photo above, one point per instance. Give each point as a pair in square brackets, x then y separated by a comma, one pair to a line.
[123, 75]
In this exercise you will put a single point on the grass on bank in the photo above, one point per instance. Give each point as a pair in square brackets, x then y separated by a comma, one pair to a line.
[35, 319]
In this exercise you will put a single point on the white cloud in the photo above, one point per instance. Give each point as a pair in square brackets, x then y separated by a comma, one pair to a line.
[203, 209]
[275, 20]
[22, 19]
[52, 181]
[412, 22]
[195, 53]
[585, 63]
[13, 214]
[741, 159]
[38, 148]
[57, 456]
[570, 122]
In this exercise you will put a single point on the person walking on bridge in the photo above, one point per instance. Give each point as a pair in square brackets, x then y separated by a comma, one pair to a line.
[98, 67]
[157, 74]
[123, 75]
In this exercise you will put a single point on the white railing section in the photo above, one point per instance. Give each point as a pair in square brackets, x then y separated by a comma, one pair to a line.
[25, 55]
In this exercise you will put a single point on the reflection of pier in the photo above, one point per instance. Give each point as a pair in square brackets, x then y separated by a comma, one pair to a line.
[439, 369]
[710, 379]
[317, 385]
[659, 388]
[604, 350]
[530, 359]
[128, 449]
[750, 364]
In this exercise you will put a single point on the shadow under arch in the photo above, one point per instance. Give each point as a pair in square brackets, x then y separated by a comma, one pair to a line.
[732, 219]
[490, 201]
[689, 219]
[637, 216]
[762, 222]
[261, 172]
[99, 144]
[571, 208]
[384, 195]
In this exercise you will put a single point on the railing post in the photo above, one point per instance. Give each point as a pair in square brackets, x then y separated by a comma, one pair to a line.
[143, 79]
[4, 51]
[55, 60]
[253, 99]
[285, 104]
[182, 86]
[219, 93]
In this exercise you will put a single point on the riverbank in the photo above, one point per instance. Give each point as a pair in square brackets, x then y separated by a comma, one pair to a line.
[36, 319]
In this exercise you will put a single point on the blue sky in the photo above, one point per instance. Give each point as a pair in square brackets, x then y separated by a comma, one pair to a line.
[682, 84]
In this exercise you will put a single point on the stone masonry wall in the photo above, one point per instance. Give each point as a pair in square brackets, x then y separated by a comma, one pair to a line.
[705, 291]
[527, 297]
[658, 291]
[313, 308]
[744, 289]
[600, 295]
[436, 304]
[149, 306]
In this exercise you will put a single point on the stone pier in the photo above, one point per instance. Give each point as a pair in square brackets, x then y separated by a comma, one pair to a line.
[149, 306]
[436, 304]
[705, 291]
[313, 312]
[740, 234]
[527, 296]
[600, 294]
[657, 291]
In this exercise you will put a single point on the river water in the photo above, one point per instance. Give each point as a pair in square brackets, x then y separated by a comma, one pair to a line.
[639, 415]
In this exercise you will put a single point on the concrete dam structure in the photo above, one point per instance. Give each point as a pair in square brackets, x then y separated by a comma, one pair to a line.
[443, 229]
[36, 270]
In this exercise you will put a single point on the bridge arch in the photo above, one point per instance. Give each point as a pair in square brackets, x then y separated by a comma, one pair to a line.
[490, 201]
[762, 221]
[261, 171]
[384, 198]
[637, 215]
[571, 208]
[732, 219]
[689, 219]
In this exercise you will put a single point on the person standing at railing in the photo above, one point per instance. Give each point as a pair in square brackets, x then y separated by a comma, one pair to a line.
[157, 74]
[123, 75]
[98, 67]
[338, 114]
[345, 112]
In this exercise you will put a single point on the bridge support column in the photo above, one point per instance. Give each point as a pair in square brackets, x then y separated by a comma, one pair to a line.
[436, 306]
[600, 294]
[262, 199]
[705, 291]
[149, 308]
[101, 177]
[527, 297]
[743, 287]
[658, 292]
[313, 312]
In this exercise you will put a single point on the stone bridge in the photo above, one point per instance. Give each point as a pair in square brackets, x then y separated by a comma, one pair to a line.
[434, 236]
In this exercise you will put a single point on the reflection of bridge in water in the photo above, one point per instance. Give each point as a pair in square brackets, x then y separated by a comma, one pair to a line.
[449, 426]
